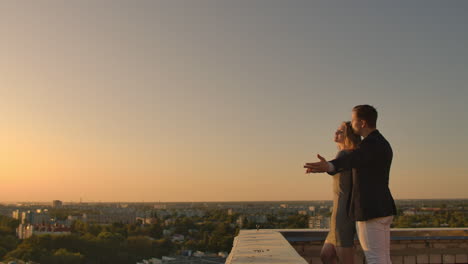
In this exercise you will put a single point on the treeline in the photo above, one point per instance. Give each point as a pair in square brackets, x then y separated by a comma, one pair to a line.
[120, 243]
[443, 218]
[279, 222]
[108, 246]
[8, 240]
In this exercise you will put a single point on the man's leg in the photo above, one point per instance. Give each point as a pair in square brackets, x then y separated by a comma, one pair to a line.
[374, 236]
[387, 224]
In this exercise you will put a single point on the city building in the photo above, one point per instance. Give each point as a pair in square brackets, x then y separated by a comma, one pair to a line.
[147, 220]
[110, 218]
[57, 204]
[319, 222]
[177, 238]
[16, 214]
[303, 212]
[150, 261]
[190, 212]
[27, 230]
[32, 217]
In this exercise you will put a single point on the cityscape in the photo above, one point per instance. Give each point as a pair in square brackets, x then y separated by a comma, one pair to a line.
[201, 232]
[235, 132]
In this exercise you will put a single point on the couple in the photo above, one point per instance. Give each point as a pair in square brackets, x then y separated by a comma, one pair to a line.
[362, 200]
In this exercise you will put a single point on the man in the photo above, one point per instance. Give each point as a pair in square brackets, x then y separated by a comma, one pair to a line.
[371, 203]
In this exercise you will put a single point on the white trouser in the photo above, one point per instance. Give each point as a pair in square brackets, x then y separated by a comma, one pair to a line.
[374, 236]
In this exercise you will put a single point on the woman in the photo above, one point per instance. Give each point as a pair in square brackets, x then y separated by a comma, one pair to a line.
[339, 244]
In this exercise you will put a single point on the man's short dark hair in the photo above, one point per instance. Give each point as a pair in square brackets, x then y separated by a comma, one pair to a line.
[368, 113]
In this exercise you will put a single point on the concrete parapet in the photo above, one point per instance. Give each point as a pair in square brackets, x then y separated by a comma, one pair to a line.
[408, 246]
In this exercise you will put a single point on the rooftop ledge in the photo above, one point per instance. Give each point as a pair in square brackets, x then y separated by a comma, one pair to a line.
[302, 246]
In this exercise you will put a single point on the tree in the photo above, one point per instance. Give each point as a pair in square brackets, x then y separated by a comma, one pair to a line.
[156, 230]
[3, 252]
[79, 227]
[108, 236]
[63, 256]
[26, 252]
[8, 224]
[163, 247]
[139, 246]
[8, 242]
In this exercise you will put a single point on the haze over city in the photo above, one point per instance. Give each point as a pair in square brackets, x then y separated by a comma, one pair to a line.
[217, 101]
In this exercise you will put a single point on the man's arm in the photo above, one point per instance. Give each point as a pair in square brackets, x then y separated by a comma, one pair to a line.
[331, 169]
[363, 155]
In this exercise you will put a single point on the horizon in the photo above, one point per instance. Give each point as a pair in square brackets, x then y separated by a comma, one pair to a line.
[272, 201]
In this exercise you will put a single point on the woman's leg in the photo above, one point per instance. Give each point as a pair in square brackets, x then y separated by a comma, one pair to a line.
[345, 255]
[328, 254]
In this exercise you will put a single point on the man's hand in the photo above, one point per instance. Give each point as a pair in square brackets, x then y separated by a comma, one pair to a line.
[316, 167]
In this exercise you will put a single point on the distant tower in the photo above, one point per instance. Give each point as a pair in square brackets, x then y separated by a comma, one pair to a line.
[57, 204]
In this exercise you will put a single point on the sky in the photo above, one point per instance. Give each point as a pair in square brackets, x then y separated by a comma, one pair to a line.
[225, 100]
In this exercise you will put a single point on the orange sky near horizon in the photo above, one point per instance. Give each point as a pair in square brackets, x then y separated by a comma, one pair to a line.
[157, 101]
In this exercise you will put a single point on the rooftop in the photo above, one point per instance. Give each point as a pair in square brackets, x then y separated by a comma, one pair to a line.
[302, 246]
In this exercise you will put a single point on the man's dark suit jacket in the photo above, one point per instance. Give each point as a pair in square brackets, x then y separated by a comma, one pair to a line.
[370, 162]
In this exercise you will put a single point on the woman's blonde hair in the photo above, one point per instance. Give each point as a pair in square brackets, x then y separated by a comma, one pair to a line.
[351, 140]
